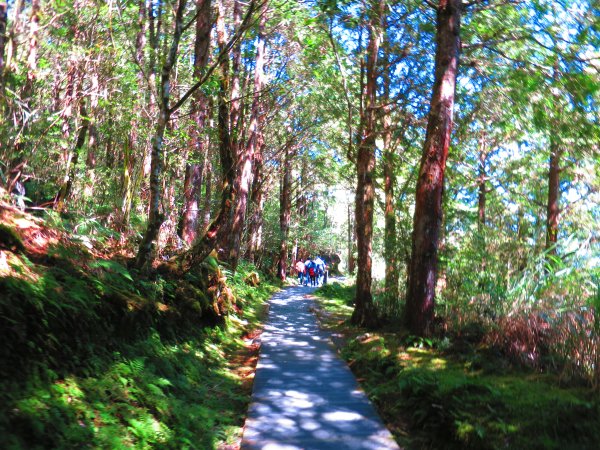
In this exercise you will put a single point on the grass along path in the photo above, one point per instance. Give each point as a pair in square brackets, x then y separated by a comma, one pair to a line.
[95, 356]
[433, 394]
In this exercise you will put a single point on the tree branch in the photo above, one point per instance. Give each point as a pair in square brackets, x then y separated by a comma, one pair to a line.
[224, 53]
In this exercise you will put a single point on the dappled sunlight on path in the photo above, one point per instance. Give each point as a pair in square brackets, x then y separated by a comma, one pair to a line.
[304, 396]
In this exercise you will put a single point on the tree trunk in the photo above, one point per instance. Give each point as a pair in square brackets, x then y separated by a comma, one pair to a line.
[66, 189]
[553, 209]
[390, 251]
[364, 312]
[155, 216]
[206, 209]
[3, 22]
[218, 226]
[68, 154]
[481, 179]
[194, 171]
[191, 193]
[420, 300]
[351, 241]
[11, 35]
[34, 25]
[236, 102]
[285, 214]
[215, 234]
[257, 201]
[245, 162]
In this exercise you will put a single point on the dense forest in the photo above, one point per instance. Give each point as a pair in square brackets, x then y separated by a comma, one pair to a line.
[160, 160]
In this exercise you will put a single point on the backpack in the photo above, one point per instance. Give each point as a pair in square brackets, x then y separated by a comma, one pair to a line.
[311, 271]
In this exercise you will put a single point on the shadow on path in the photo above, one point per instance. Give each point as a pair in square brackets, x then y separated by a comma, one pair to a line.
[305, 397]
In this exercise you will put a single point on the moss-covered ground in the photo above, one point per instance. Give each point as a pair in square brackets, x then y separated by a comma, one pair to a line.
[95, 356]
[440, 394]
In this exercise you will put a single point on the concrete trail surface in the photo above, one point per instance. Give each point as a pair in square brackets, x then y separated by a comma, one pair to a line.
[305, 397]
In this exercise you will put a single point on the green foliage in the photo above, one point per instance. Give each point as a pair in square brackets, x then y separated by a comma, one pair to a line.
[434, 400]
[96, 357]
[9, 239]
[341, 293]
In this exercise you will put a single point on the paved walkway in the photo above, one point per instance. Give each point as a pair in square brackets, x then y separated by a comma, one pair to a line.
[305, 397]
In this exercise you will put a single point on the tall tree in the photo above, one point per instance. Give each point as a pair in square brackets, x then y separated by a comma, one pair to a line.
[251, 149]
[195, 170]
[552, 209]
[285, 212]
[155, 215]
[389, 178]
[3, 23]
[216, 234]
[257, 200]
[364, 312]
[420, 300]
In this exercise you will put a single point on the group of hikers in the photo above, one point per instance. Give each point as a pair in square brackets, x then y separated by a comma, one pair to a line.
[312, 272]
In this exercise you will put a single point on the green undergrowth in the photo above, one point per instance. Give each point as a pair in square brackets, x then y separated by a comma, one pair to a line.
[94, 356]
[434, 394]
[337, 296]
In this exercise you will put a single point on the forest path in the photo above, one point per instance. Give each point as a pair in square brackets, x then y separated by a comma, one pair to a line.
[305, 396]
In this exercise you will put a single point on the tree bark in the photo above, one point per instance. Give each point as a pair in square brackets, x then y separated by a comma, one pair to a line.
[66, 189]
[217, 228]
[34, 25]
[12, 33]
[206, 209]
[68, 153]
[420, 300]
[364, 312]
[236, 52]
[285, 214]
[215, 234]
[155, 215]
[351, 242]
[389, 178]
[257, 202]
[553, 210]
[246, 157]
[3, 22]
[194, 171]
[191, 193]
[481, 179]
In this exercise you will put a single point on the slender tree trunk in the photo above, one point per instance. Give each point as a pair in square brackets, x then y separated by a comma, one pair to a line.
[389, 178]
[420, 300]
[128, 177]
[215, 234]
[3, 22]
[285, 214]
[194, 171]
[481, 179]
[11, 35]
[364, 312]
[245, 162]
[127, 183]
[351, 242]
[553, 209]
[34, 25]
[92, 147]
[234, 126]
[294, 257]
[67, 188]
[257, 202]
[225, 148]
[191, 191]
[155, 216]
[68, 153]
[206, 209]
[236, 52]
